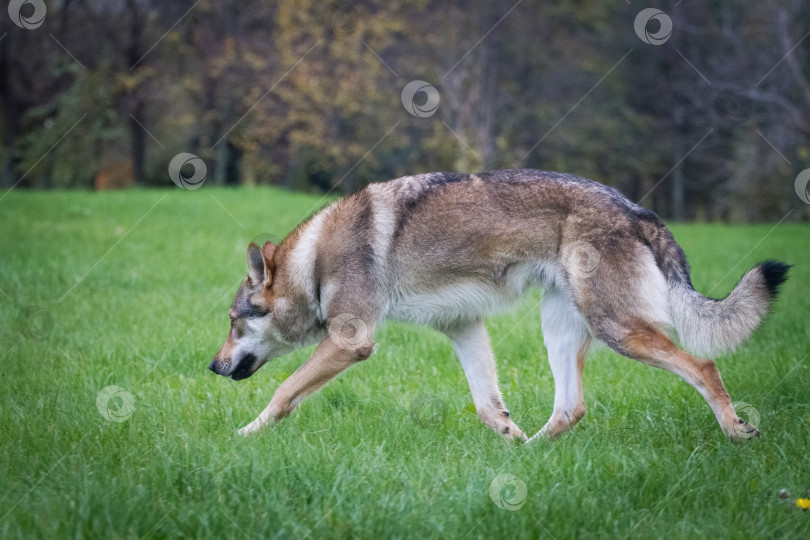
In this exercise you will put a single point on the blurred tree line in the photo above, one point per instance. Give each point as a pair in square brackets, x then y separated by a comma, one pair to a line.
[711, 124]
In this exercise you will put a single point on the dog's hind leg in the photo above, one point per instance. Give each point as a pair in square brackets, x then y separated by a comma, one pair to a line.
[567, 340]
[644, 342]
[471, 343]
[624, 301]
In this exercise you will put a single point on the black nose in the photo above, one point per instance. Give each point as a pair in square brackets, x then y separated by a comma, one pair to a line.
[213, 366]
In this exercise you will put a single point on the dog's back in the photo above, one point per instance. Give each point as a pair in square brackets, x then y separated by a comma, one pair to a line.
[449, 246]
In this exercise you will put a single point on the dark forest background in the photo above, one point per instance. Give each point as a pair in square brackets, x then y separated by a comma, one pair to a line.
[711, 124]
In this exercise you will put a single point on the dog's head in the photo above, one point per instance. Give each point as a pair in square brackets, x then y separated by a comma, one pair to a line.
[253, 339]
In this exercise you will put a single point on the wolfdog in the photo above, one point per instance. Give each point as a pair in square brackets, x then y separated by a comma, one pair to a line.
[444, 250]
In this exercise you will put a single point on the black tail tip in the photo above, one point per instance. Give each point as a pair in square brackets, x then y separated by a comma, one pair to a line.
[774, 273]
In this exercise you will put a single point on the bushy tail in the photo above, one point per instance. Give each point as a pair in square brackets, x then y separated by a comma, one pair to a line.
[709, 327]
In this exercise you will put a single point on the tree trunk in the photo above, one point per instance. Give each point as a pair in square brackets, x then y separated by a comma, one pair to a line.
[678, 188]
[10, 125]
[489, 91]
[138, 148]
[133, 56]
[221, 165]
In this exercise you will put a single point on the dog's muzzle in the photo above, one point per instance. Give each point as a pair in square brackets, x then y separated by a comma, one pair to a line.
[214, 366]
[245, 368]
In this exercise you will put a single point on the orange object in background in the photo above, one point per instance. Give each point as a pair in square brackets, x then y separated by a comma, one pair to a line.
[117, 175]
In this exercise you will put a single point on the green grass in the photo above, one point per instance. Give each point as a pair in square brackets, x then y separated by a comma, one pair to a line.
[140, 303]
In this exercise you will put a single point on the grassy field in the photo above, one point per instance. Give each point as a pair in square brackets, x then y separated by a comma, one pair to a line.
[136, 286]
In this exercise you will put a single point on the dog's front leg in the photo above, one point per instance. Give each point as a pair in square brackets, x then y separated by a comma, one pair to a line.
[474, 351]
[330, 358]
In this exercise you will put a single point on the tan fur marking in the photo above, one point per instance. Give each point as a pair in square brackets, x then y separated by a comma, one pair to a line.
[649, 345]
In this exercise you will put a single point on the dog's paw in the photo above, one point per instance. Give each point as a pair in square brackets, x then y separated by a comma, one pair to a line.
[511, 432]
[520, 438]
[542, 435]
[500, 421]
[742, 431]
[251, 428]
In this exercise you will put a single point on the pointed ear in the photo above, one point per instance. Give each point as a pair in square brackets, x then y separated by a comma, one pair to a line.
[257, 268]
[268, 250]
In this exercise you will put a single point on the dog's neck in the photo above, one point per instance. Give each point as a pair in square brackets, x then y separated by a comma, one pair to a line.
[296, 286]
